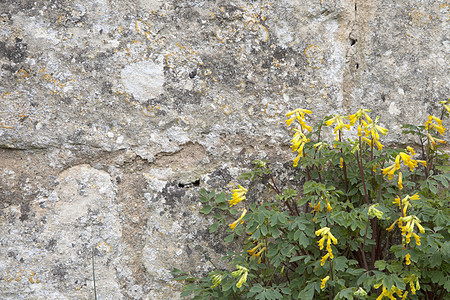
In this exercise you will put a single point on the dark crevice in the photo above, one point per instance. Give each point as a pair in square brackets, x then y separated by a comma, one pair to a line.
[353, 41]
[190, 184]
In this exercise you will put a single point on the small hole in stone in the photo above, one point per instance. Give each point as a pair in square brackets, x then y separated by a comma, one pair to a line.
[357, 66]
[352, 42]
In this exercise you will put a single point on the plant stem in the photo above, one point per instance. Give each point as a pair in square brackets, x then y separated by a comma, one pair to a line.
[206, 256]
[344, 165]
[361, 172]
[364, 244]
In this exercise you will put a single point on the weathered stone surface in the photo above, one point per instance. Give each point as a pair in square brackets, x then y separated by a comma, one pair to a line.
[114, 113]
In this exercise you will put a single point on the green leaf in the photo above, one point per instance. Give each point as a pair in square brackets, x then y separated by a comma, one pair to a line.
[295, 258]
[388, 282]
[447, 284]
[399, 282]
[274, 232]
[273, 220]
[256, 289]
[221, 197]
[203, 193]
[229, 238]
[303, 240]
[340, 263]
[206, 209]
[264, 230]
[380, 265]
[307, 293]
[435, 259]
[213, 227]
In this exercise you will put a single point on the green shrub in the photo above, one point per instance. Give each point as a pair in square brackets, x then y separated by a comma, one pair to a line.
[370, 222]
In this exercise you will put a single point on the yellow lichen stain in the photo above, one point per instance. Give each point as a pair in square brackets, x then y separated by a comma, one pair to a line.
[22, 74]
[241, 87]
[19, 275]
[276, 63]
[227, 110]
[119, 29]
[271, 110]
[246, 21]
[251, 111]
[32, 278]
[184, 123]
[314, 56]
[4, 125]
[444, 12]
[104, 246]
[419, 18]
[150, 110]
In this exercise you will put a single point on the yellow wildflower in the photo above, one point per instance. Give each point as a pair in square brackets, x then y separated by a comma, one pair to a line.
[359, 130]
[324, 259]
[339, 120]
[302, 112]
[326, 234]
[242, 280]
[373, 212]
[446, 104]
[400, 182]
[358, 115]
[324, 281]
[321, 241]
[216, 279]
[410, 150]
[390, 228]
[430, 125]
[234, 224]
[329, 208]
[241, 271]
[433, 140]
[253, 250]
[238, 195]
[417, 238]
[407, 257]
[413, 281]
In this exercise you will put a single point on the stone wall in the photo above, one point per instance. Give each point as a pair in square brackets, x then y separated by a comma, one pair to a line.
[114, 113]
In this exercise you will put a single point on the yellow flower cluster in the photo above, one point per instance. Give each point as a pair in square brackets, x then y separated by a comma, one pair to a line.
[429, 125]
[324, 281]
[234, 224]
[216, 279]
[299, 115]
[394, 291]
[408, 228]
[339, 121]
[405, 202]
[238, 195]
[241, 271]
[446, 104]
[325, 233]
[413, 281]
[372, 129]
[299, 140]
[407, 161]
[260, 248]
[373, 212]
